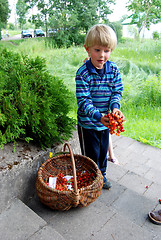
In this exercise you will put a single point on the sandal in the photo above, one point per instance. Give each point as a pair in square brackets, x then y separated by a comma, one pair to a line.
[106, 183]
[155, 217]
[113, 160]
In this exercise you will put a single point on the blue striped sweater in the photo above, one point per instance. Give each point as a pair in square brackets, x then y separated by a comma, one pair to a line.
[96, 94]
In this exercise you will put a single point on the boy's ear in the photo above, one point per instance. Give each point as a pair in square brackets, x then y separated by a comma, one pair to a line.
[87, 49]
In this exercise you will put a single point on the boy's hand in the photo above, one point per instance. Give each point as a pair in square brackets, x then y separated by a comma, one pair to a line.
[119, 113]
[105, 121]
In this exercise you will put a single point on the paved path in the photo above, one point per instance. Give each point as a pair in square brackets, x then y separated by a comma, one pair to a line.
[15, 37]
[118, 214]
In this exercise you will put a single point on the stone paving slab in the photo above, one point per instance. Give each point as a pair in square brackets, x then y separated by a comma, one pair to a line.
[135, 182]
[154, 163]
[19, 222]
[127, 149]
[46, 233]
[138, 147]
[153, 153]
[154, 175]
[82, 223]
[134, 206]
[41, 210]
[109, 197]
[137, 165]
[122, 141]
[153, 192]
[120, 228]
[146, 163]
[136, 157]
[122, 155]
[116, 172]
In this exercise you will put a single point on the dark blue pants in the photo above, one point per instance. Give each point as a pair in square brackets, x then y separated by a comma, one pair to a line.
[94, 144]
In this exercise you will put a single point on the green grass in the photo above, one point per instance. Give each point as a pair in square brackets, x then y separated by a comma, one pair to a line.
[143, 124]
[139, 63]
[146, 54]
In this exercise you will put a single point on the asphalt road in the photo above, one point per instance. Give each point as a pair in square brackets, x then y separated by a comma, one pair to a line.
[15, 37]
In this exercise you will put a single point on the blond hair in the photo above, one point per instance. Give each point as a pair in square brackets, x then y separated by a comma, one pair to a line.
[101, 34]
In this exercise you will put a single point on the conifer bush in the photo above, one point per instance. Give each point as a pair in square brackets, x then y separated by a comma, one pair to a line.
[34, 105]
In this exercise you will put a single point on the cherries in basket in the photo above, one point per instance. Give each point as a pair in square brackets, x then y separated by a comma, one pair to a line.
[66, 183]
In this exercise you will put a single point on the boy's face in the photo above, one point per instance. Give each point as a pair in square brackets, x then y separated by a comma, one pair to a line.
[99, 55]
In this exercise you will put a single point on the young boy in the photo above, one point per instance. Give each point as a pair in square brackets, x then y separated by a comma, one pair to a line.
[98, 89]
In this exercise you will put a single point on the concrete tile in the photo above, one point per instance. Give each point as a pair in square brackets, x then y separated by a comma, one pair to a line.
[120, 228]
[137, 157]
[82, 223]
[137, 167]
[48, 233]
[137, 147]
[122, 155]
[135, 182]
[154, 175]
[123, 142]
[40, 209]
[108, 197]
[152, 153]
[19, 222]
[154, 163]
[133, 206]
[154, 192]
[115, 172]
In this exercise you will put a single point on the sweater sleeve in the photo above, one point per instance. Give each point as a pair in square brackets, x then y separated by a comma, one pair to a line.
[116, 90]
[84, 100]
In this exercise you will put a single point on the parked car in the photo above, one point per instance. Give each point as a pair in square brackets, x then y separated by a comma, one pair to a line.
[31, 31]
[39, 33]
[26, 34]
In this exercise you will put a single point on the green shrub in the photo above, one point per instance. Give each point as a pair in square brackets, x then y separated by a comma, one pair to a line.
[65, 38]
[155, 35]
[117, 27]
[11, 26]
[34, 105]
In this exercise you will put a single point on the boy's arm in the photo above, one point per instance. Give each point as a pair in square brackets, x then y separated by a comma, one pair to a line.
[116, 97]
[117, 89]
[84, 100]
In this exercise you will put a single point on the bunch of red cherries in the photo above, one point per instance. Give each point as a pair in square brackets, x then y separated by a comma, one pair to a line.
[115, 123]
[84, 178]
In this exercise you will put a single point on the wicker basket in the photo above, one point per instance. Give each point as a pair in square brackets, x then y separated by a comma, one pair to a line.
[68, 164]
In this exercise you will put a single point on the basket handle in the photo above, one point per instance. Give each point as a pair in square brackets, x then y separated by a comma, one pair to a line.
[73, 166]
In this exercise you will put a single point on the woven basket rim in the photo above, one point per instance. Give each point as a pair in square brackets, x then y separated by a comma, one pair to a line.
[64, 200]
[68, 155]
